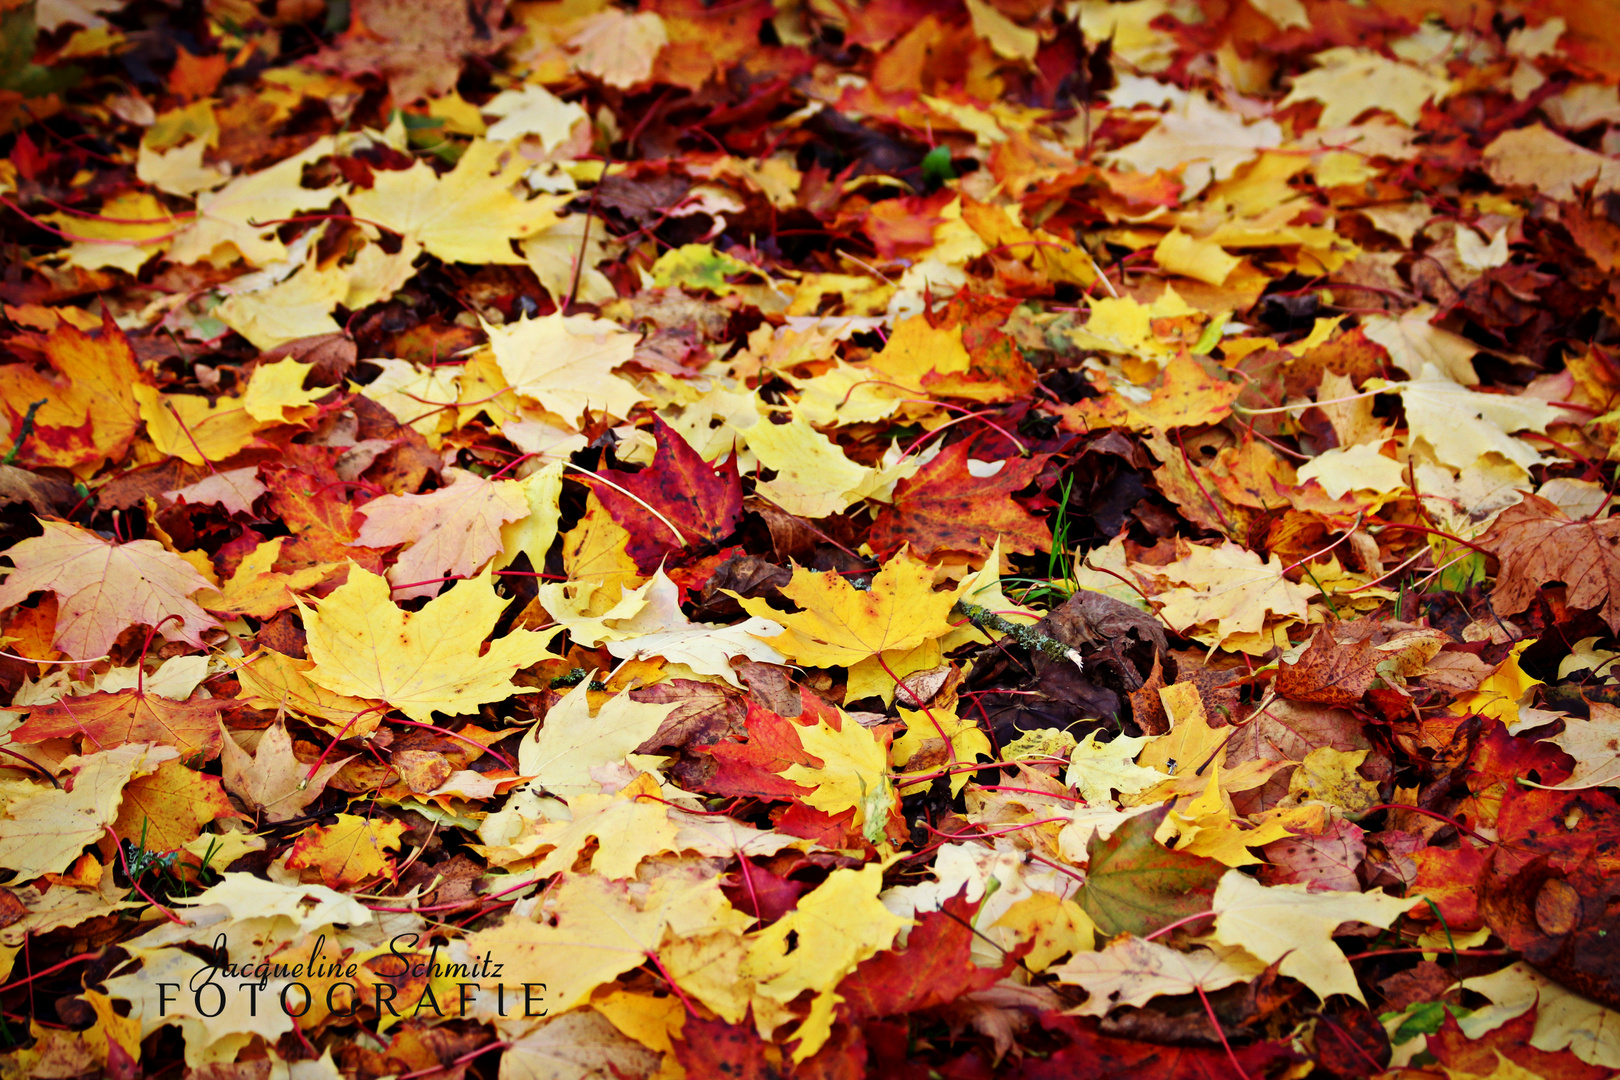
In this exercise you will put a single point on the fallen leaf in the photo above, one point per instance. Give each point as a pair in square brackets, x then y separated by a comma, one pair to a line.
[103, 588]
[1295, 925]
[126, 718]
[451, 532]
[271, 780]
[841, 624]
[1133, 971]
[87, 412]
[363, 645]
[566, 363]
[347, 852]
[949, 505]
[167, 809]
[46, 828]
[683, 493]
[1537, 544]
[1135, 885]
[558, 753]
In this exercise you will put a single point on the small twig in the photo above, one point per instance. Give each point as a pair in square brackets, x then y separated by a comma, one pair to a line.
[629, 495]
[1027, 636]
[43, 771]
[26, 429]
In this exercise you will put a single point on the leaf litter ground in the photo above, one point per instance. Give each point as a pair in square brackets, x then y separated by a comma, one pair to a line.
[908, 539]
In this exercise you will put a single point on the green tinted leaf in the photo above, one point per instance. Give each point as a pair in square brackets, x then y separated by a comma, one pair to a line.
[1136, 885]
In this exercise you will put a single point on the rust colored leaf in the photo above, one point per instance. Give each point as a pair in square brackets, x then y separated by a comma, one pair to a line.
[88, 412]
[103, 721]
[1478, 1057]
[322, 521]
[1351, 1043]
[945, 507]
[1330, 673]
[167, 809]
[716, 1048]
[1538, 545]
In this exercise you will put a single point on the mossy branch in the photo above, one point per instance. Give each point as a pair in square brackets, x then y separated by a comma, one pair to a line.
[1027, 636]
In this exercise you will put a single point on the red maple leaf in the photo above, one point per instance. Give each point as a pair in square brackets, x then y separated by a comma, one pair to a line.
[754, 768]
[702, 501]
[935, 968]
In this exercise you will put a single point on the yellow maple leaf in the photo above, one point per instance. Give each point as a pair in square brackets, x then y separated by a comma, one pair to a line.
[180, 170]
[875, 676]
[245, 213]
[559, 754]
[1502, 690]
[365, 646]
[846, 394]
[200, 432]
[272, 680]
[531, 110]
[1055, 927]
[1230, 588]
[854, 771]
[45, 828]
[1125, 326]
[1097, 770]
[651, 1021]
[194, 429]
[1361, 467]
[1205, 827]
[416, 396]
[167, 809]
[1294, 924]
[834, 928]
[271, 779]
[110, 1028]
[1563, 1017]
[1329, 775]
[1199, 259]
[813, 477]
[628, 826]
[1463, 425]
[1132, 971]
[1208, 141]
[207, 1032]
[967, 742]
[533, 533]
[467, 215]
[347, 852]
[255, 589]
[1057, 258]
[566, 362]
[916, 350]
[1348, 81]
[600, 932]
[124, 222]
[841, 624]
[596, 562]
[295, 307]
[1191, 745]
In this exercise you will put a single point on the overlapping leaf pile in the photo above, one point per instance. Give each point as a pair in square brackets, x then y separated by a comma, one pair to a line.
[915, 539]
